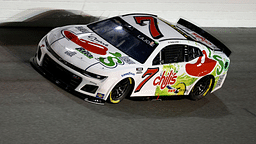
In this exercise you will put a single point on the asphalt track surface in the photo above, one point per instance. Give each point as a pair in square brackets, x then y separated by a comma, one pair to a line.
[35, 110]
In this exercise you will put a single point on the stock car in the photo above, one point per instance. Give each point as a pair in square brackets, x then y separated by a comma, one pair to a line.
[133, 55]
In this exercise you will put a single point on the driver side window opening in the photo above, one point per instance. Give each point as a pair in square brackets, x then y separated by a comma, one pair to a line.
[176, 53]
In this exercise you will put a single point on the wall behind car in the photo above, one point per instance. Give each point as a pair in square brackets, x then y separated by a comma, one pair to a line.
[206, 13]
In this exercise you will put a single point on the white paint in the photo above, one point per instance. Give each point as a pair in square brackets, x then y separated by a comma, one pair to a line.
[206, 13]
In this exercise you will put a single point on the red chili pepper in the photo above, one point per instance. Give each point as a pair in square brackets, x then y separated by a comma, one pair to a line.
[201, 69]
[90, 46]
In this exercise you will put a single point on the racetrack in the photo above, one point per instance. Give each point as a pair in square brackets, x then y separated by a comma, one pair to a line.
[35, 110]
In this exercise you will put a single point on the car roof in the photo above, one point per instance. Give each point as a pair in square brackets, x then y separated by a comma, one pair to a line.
[143, 23]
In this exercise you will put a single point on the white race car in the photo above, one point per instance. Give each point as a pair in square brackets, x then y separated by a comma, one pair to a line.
[134, 55]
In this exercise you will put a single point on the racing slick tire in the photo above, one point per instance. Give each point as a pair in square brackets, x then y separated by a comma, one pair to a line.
[121, 90]
[202, 88]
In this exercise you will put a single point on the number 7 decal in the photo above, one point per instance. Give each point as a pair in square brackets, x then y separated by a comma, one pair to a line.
[151, 72]
[153, 27]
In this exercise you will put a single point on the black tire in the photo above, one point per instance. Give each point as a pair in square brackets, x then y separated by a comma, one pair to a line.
[202, 88]
[121, 90]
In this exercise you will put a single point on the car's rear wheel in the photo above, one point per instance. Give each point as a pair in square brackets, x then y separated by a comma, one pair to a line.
[121, 90]
[202, 88]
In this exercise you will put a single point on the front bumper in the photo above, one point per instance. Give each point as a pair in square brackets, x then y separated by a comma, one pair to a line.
[69, 80]
[67, 86]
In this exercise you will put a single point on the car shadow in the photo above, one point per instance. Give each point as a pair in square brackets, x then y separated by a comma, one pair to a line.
[21, 38]
[208, 107]
[50, 18]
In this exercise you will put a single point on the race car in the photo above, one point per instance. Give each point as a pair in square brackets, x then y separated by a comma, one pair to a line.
[133, 55]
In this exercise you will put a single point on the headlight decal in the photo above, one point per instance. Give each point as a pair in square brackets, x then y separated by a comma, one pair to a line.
[86, 73]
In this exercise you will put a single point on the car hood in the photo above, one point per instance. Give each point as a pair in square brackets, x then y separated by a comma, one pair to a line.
[84, 49]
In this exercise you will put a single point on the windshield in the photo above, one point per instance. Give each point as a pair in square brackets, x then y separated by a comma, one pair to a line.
[124, 37]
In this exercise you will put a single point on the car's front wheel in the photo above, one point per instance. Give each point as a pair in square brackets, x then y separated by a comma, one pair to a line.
[202, 88]
[121, 90]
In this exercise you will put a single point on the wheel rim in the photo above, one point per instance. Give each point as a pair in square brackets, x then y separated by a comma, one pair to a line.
[119, 90]
[202, 87]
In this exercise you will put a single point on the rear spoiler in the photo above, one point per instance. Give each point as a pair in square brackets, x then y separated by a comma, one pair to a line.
[205, 35]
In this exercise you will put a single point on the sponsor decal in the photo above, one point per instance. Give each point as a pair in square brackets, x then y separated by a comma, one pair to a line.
[82, 29]
[201, 67]
[90, 46]
[129, 73]
[70, 53]
[111, 61]
[181, 81]
[85, 52]
[139, 70]
[170, 89]
[127, 60]
[165, 79]
[178, 90]
[151, 43]
[198, 37]
[95, 39]
[153, 27]
[100, 95]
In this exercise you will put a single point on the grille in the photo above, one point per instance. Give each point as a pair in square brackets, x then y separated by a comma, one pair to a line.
[39, 53]
[60, 73]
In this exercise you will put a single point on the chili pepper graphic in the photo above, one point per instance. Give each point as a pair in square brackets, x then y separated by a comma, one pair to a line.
[201, 68]
[90, 46]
